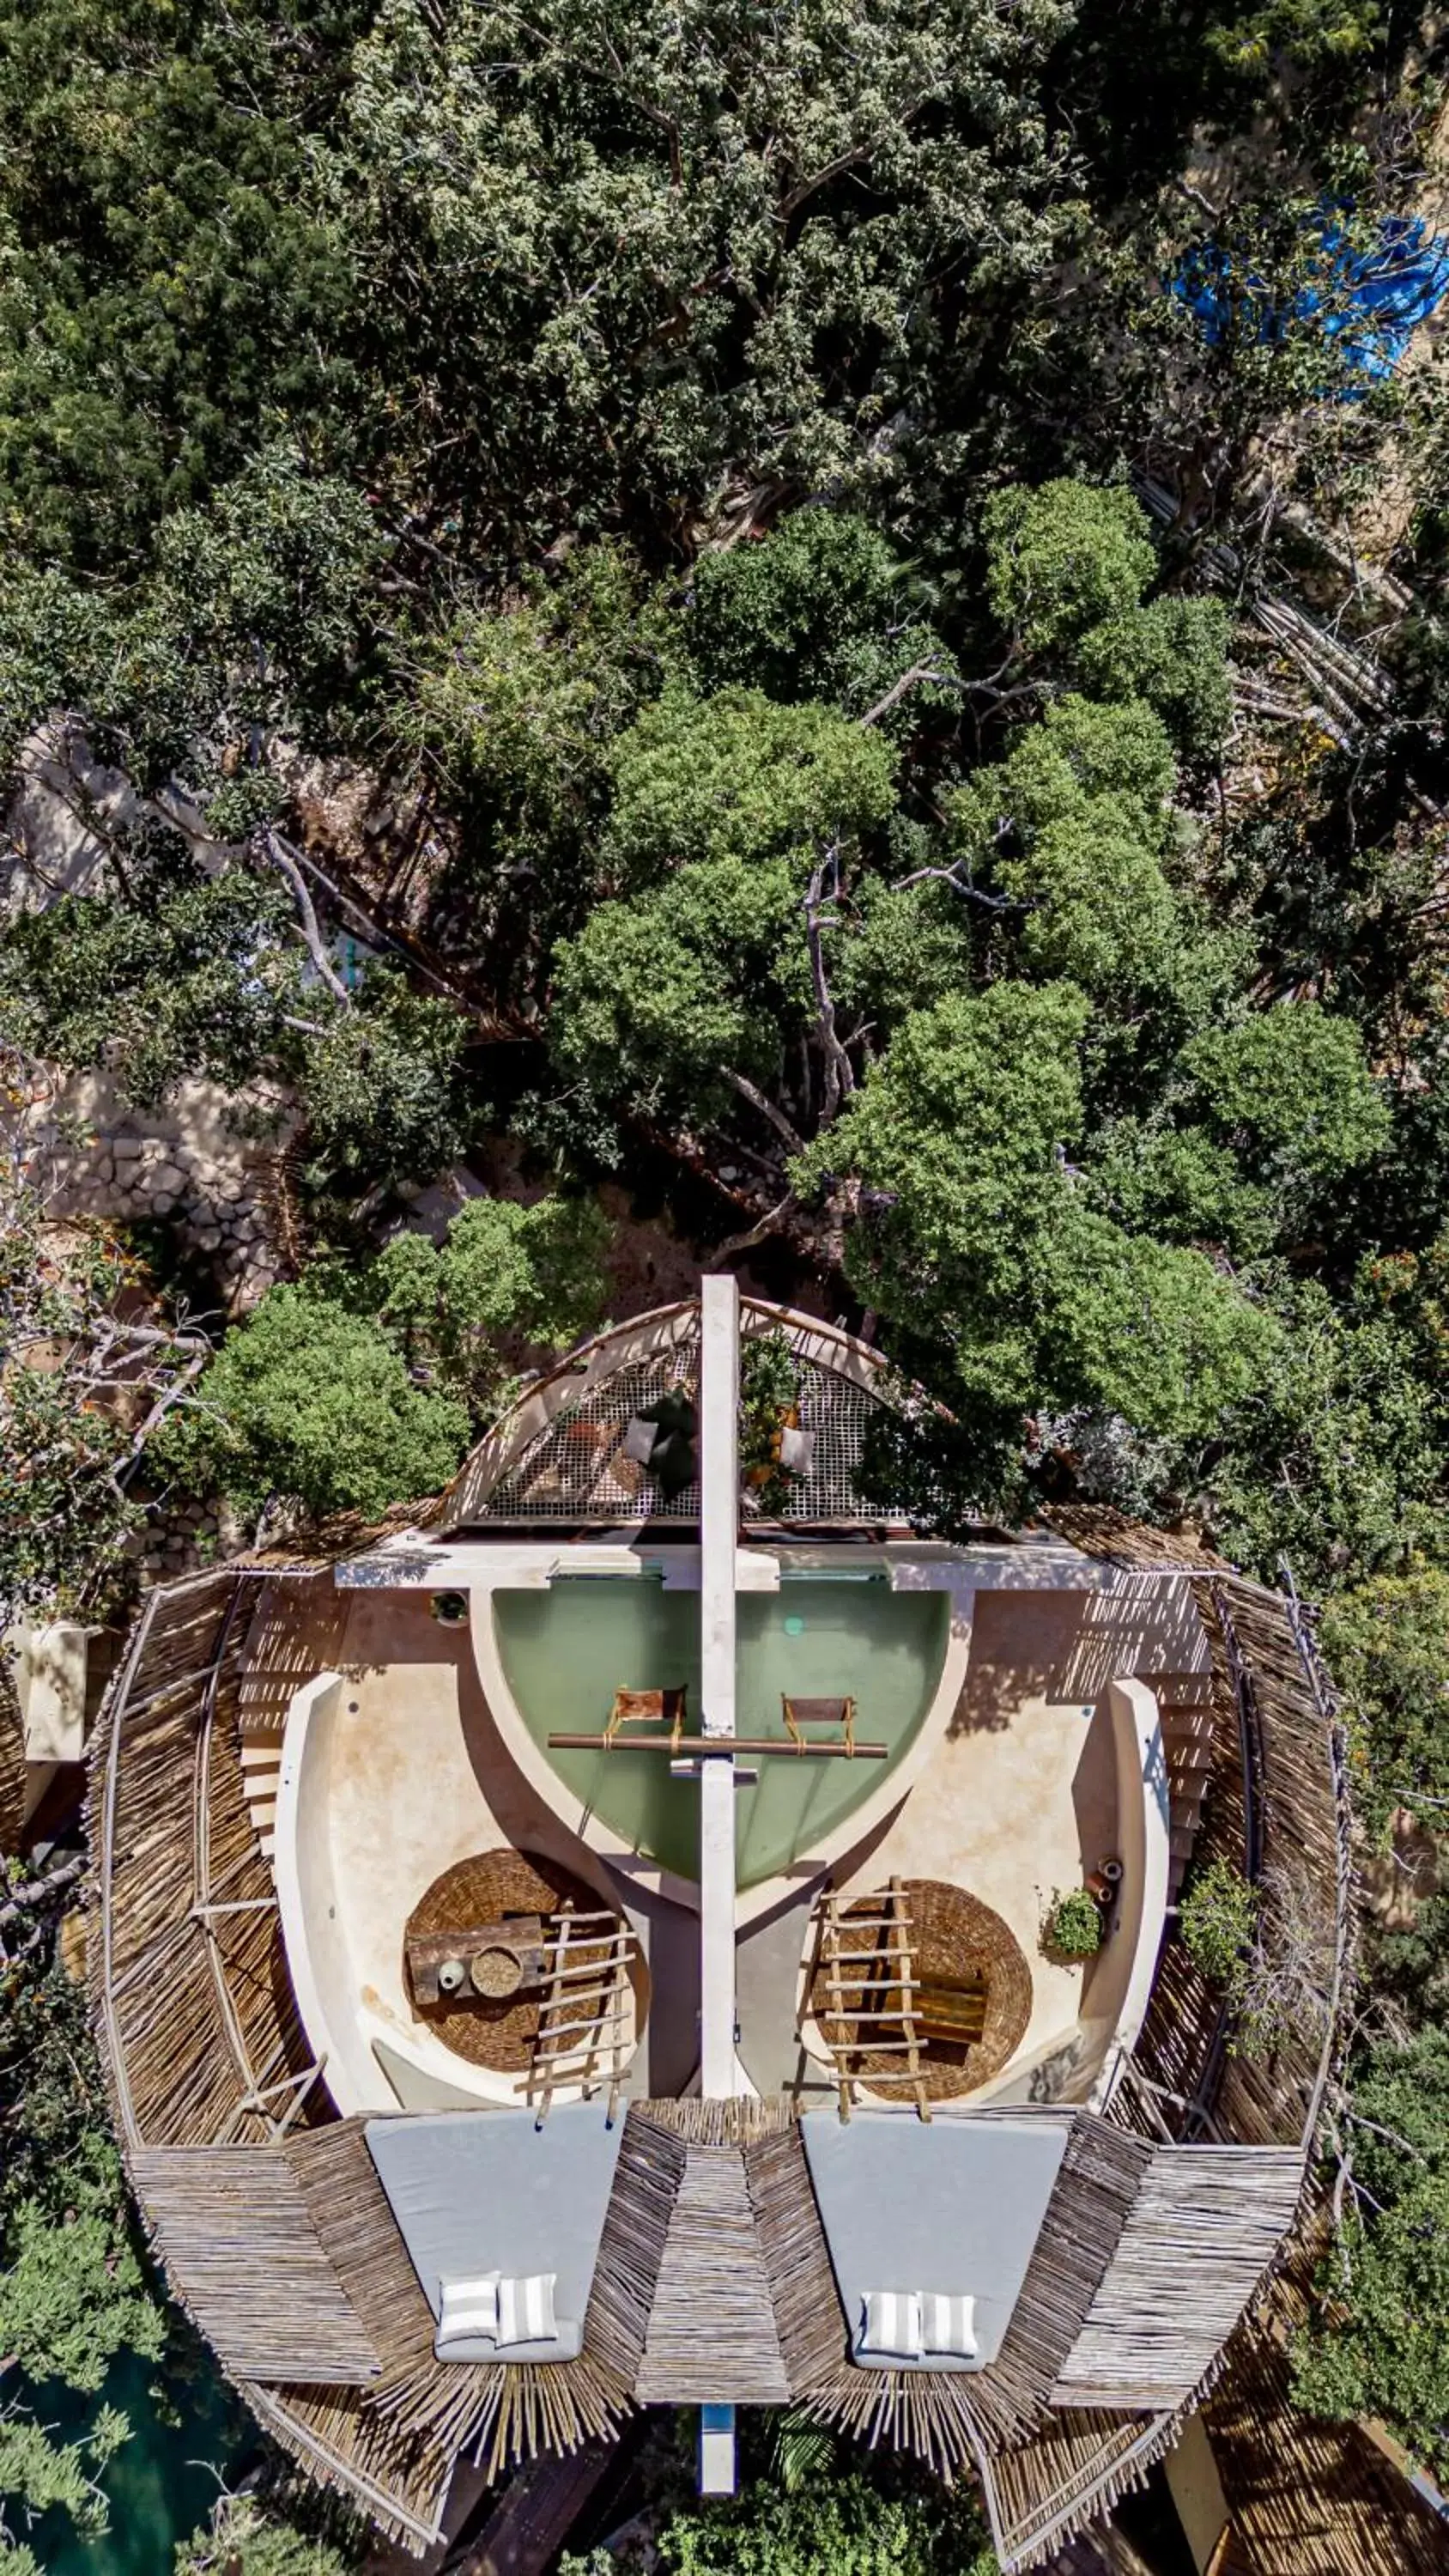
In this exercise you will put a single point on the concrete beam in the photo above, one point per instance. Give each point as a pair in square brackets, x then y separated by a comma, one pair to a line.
[719, 1504]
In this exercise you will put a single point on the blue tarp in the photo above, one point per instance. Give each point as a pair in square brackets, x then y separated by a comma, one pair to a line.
[1370, 301]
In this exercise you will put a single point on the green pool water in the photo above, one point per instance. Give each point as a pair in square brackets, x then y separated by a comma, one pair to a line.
[567, 1650]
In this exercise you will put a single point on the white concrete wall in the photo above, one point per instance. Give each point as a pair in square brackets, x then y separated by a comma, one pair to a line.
[719, 1494]
[1120, 1978]
[312, 1928]
[50, 1684]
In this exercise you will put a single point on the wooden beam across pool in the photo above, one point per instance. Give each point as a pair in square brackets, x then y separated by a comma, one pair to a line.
[680, 1745]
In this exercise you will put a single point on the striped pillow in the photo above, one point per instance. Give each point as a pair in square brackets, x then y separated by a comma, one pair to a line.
[891, 2325]
[468, 2311]
[525, 2310]
[948, 2325]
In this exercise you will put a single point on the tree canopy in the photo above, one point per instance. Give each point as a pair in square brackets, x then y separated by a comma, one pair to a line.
[827, 631]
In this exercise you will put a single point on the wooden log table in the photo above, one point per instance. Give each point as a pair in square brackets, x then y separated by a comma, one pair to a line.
[497, 1961]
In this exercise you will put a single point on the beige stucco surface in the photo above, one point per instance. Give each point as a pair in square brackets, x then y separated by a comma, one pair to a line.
[414, 1745]
[1018, 1797]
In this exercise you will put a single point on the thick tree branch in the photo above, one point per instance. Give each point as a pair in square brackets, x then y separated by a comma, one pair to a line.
[908, 680]
[748, 1091]
[963, 886]
[839, 1071]
[281, 858]
[770, 1223]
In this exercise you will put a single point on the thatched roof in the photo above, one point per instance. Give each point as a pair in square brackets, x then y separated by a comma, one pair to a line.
[713, 2222]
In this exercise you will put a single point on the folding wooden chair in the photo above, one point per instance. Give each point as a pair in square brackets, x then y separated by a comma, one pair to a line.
[656, 1708]
[837, 1714]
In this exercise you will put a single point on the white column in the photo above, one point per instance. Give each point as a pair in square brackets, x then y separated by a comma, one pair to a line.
[719, 1504]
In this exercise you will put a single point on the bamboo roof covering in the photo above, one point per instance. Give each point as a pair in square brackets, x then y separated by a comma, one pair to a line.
[1211, 2217]
[233, 2224]
[1306, 2495]
[1072, 2471]
[713, 2267]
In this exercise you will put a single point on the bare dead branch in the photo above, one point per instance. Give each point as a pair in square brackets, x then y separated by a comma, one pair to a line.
[776, 1117]
[839, 1071]
[282, 859]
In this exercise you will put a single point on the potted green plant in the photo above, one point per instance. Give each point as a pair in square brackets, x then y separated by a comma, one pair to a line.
[769, 1405]
[1074, 1924]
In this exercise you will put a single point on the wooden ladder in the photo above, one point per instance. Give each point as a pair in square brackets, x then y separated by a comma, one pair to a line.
[585, 2012]
[875, 1983]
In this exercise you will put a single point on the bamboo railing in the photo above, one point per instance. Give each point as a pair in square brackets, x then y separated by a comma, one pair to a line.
[1277, 1809]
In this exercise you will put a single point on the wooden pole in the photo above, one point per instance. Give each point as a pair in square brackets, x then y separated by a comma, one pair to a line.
[715, 1744]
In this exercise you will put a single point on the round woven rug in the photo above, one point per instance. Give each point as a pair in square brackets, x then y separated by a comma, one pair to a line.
[486, 1889]
[952, 1935]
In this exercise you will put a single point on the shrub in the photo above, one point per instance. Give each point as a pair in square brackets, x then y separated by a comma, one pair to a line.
[1074, 1925]
[1217, 1920]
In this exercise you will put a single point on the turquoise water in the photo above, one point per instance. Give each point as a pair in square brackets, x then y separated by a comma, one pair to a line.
[162, 2484]
[566, 1651]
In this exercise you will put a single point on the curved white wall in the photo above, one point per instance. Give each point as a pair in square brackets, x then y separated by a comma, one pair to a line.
[1120, 1980]
[312, 1927]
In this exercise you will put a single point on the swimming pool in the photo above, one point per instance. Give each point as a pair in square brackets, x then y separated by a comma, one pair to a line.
[565, 1652]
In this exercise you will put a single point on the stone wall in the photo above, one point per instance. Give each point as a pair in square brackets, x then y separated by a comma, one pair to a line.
[204, 1162]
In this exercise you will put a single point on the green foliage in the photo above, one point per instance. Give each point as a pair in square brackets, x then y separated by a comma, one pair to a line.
[309, 1402]
[41, 2474]
[68, 1450]
[1072, 829]
[172, 281]
[1378, 2346]
[1292, 1091]
[623, 254]
[1073, 1924]
[251, 620]
[804, 2450]
[380, 1088]
[73, 2293]
[737, 777]
[823, 607]
[1336, 1461]
[505, 1277]
[249, 2538]
[1217, 1920]
[1171, 653]
[1387, 1647]
[893, 950]
[1062, 558]
[769, 1387]
[519, 708]
[661, 1000]
[1179, 1182]
[975, 1240]
[180, 975]
[844, 2524]
[1304, 33]
[72, 2289]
